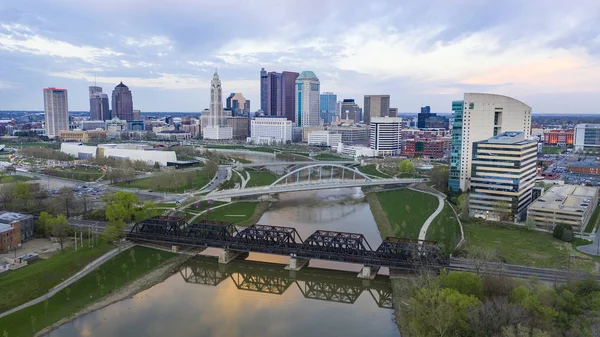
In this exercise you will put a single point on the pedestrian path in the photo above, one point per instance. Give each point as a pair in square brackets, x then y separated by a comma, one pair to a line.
[425, 227]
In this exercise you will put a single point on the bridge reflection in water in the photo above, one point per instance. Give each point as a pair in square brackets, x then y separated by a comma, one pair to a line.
[271, 278]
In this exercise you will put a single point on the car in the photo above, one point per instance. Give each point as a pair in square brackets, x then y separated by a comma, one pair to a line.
[149, 190]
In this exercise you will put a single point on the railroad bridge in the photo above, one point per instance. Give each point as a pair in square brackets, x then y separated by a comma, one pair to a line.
[396, 253]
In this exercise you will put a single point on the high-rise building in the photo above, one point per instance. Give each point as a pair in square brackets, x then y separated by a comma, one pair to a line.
[587, 138]
[238, 104]
[56, 111]
[94, 89]
[307, 99]
[503, 175]
[393, 112]
[122, 103]
[277, 93]
[327, 103]
[217, 128]
[270, 130]
[376, 106]
[428, 120]
[350, 110]
[99, 108]
[386, 135]
[137, 115]
[476, 118]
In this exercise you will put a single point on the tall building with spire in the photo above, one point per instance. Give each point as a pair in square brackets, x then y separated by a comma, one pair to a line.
[122, 103]
[216, 128]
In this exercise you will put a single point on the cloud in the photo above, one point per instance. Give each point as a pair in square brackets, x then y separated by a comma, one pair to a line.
[202, 63]
[19, 38]
[151, 41]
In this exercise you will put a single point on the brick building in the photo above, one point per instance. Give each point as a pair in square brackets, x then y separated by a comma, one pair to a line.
[10, 237]
[426, 148]
[559, 137]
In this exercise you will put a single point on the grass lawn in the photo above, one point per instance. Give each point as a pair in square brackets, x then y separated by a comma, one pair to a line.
[261, 178]
[240, 213]
[30, 282]
[111, 276]
[407, 210]
[14, 179]
[517, 246]
[200, 206]
[328, 157]
[372, 171]
[79, 173]
[553, 150]
[174, 182]
[445, 230]
[593, 220]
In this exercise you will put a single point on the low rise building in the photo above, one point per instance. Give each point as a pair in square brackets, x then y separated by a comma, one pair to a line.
[351, 134]
[270, 130]
[324, 138]
[566, 204]
[240, 126]
[82, 135]
[584, 167]
[503, 173]
[173, 135]
[125, 151]
[559, 137]
[587, 138]
[426, 148]
[355, 152]
[10, 238]
[22, 221]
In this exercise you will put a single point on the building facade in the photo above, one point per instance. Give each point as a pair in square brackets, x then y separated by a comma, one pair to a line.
[307, 99]
[217, 128]
[82, 135]
[587, 138]
[328, 102]
[271, 130]
[122, 103]
[23, 223]
[386, 135]
[350, 110]
[324, 138]
[278, 93]
[567, 204]
[238, 104]
[559, 137]
[376, 106]
[240, 127]
[352, 134]
[503, 175]
[426, 148]
[99, 106]
[476, 118]
[56, 111]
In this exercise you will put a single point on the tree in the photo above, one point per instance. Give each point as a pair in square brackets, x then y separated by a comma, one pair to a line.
[22, 192]
[114, 231]
[406, 166]
[440, 176]
[121, 206]
[480, 258]
[495, 314]
[68, 199]
[530, 223]
[465, 283]
[463, 205]
[42, 224]
[60, 228]
[559, 232]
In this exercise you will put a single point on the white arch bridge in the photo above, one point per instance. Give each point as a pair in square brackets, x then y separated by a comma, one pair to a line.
[313, 177]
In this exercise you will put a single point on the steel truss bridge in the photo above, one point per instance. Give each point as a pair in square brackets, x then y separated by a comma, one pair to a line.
[271, 278]
[314, 177]
[397, 253]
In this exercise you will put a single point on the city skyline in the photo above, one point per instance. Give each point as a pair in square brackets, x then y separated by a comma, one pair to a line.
[506, 48]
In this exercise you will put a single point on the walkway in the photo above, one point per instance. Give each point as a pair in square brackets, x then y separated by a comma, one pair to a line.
[425, 227]
[85, 271]
[594, 247]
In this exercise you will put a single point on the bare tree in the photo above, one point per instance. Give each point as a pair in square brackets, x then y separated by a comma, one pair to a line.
[481, 258]
[489, 318]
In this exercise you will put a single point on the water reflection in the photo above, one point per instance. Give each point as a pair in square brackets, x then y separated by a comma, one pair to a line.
[271, 278]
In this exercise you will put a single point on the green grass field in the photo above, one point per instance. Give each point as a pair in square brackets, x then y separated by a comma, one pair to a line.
[593, 220]
[33, 281]
[236, 212]
[14, 179]
[371, 170]
[407, 210]
[78, 173]
[261, 178]
[328, 157]
[517, 246]
[111, 276]
[445, 229]
[176, 182]
[553, 150]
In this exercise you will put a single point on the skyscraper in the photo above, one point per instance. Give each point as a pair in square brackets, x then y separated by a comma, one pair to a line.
[476, 118]
[350, 110]
[328, 101]
[122, 103]
[56, 111]
[277, 93]
[307, 99]
[217, 128]
[376, 106]
[386, 135]
[99, 108]
[238, 104]
[426, 119]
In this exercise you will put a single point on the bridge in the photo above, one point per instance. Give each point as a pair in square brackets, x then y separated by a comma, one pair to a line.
[313, 177]
[271, 278]
[393, 252]
[293, 163]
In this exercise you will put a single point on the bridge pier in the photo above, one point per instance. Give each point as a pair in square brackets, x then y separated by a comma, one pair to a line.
[226, 255]
[296, 263]
[368, 272]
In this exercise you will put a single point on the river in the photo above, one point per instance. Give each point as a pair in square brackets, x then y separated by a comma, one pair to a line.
[257, 297]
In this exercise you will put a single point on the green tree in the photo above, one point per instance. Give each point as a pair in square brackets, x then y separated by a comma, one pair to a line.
[114, 231]
[406, 166]
[439, 176]
[42, 224]
[60, 228]
[464, 282]
[22, 192]
[121, 206]
[560, 229]
[439, 312]
[463, 205]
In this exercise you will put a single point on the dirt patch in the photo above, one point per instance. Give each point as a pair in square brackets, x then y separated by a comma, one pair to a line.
[156, 276]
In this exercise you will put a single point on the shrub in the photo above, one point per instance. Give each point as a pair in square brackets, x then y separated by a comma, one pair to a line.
[559, 232]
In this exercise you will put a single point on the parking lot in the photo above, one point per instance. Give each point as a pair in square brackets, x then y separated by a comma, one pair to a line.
[560, 166]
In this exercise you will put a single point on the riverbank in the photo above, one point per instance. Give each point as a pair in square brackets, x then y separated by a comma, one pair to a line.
[108, 279]
[147, 281]
[383, 222]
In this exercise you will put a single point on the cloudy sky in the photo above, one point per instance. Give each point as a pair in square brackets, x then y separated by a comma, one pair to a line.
[543, 52]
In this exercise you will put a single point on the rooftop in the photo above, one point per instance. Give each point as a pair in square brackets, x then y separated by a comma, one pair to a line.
[569, 198]
[307, 74]
[8, 217]
[509, 137]
[4, 228]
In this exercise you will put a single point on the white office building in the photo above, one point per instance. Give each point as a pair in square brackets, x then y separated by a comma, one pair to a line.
[217, 128]
[270, 130]
[587, 138]
[476, 118]
[56, 111]
[355, 152]
[324, 138]
[308, 99]
[386, 135]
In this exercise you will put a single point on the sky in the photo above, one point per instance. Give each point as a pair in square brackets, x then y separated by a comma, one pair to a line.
[545, 53]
